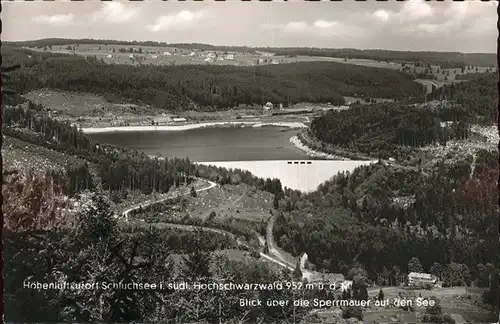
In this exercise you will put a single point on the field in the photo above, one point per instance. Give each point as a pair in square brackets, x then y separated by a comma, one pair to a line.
[80, 105]
[160, 55]
[238, 205]
[429, 83]
[235, 206]
[163, 55]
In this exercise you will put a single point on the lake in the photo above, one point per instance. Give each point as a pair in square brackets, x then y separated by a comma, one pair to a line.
[211, 144]
[264, 151]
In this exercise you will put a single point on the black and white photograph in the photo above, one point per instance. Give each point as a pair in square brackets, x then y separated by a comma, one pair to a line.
[250, 162]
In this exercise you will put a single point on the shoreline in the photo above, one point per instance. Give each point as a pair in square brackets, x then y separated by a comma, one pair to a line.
[313, 153]
[184, 127]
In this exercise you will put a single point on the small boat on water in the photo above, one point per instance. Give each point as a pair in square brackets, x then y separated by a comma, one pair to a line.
[280, 147]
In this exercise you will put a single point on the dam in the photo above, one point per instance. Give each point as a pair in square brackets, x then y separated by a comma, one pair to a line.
[303, 175]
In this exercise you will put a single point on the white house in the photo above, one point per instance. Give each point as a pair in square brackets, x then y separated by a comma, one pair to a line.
[131, 56]
[167, 53]
[419, 278]
[192, 54]
[230, 57]
[208, 60]
[211, 55]
[268, 106]
[109, 56]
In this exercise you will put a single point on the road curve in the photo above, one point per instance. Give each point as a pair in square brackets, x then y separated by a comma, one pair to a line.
[126, 212]
[211, 185]
[275, 251]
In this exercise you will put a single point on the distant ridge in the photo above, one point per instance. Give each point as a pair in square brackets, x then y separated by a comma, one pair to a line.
[444, 59]
[66, 41]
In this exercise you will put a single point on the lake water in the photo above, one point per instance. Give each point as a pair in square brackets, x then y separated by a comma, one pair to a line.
[264, 151]
[211, 144]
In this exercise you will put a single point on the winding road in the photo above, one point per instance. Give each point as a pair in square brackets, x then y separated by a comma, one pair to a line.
[279, 260]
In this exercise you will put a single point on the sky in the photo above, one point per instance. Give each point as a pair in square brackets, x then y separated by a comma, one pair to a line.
[414, 25]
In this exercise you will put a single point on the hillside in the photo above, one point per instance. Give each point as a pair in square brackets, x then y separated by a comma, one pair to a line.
[218, 87]
[395, 215]
[383, 130]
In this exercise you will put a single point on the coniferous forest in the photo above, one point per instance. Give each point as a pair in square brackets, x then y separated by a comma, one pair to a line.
[177, 88]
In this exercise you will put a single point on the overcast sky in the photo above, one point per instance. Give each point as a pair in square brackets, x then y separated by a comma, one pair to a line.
[468, 26]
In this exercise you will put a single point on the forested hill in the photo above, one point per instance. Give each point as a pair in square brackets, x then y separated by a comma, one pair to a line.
[479, 96]
[68, 41]
[380, 218]
[444, 59]
[217, 87]
[379, 129]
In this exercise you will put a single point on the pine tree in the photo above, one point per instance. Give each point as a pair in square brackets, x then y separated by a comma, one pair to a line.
[380, 295]
[193, 192]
